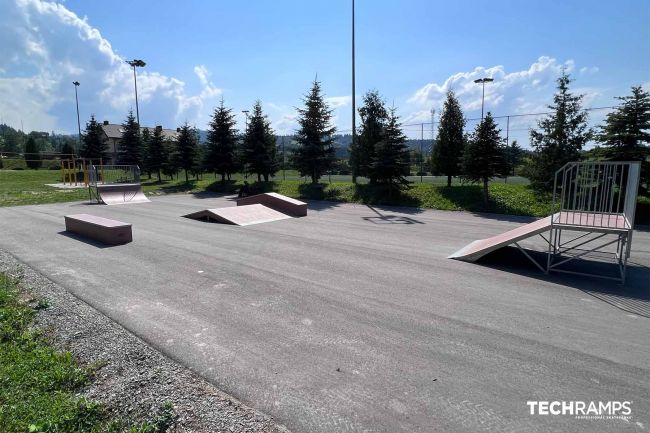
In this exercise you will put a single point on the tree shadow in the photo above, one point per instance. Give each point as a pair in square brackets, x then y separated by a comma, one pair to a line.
[633, 297]
[381, 218]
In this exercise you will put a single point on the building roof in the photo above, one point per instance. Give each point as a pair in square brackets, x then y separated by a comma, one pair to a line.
[115, 131]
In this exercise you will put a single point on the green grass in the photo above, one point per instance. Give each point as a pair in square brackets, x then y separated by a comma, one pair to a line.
[38, 382]
[19, 187]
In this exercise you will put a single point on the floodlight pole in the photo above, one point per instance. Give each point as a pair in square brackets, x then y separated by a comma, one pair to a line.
[76, 97]
[140, 64]
[483, 81]
[354, 106]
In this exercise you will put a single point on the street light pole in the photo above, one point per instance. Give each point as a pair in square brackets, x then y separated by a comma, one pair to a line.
[76, 97]
[246, 122]
[140, 64]
[483, 81]
[354, 105]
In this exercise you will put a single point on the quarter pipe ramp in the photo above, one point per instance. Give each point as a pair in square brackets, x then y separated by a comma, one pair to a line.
[121, 194]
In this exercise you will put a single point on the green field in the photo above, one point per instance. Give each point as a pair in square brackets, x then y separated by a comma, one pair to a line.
[21, 187]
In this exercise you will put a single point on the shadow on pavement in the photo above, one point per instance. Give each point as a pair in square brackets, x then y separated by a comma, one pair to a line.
[633, 297]
[86, 240]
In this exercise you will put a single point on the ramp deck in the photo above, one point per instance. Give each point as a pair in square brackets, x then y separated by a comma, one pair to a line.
[121, 194]
[278, 202]
[240, 215]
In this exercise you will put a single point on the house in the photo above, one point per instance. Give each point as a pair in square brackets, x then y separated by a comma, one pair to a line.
[113, 136]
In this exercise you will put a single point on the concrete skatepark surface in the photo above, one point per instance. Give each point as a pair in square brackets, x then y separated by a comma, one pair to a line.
[352, 319]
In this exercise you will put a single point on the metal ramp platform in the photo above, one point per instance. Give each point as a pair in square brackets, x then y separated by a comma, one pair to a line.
[240, 215]
[115, 184]
[595, 203]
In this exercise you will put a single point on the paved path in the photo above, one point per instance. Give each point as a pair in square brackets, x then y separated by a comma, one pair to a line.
[352, 319]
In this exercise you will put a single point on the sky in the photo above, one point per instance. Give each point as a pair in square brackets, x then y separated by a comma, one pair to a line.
[411, 51]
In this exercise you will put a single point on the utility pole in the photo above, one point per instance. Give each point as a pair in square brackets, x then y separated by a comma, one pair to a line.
[483, 81]
[140, 64]
[76, 97]
[246, 121]
[421, 154]
[284, 162]
[354, 105]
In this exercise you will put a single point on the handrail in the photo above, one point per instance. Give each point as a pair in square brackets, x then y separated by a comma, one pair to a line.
[596, 194]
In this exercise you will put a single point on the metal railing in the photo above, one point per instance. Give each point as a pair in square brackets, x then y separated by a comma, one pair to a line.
[114, 174]
[599, 194]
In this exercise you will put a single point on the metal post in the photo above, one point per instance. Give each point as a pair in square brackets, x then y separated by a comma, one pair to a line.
[421, 154]
[135, 84]
[354, 106]
[76, 97]
[284, 162]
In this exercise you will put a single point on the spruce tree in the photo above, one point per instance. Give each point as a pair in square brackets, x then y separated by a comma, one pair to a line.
[626, 132]
[514, 154]
[391, 160]
[560, 136]
[146, 142]
[484, 155]
[129, 151]
[187, 150]
[447, 154]
[32, 154]
[374, 117]
[259, 149]
[156, 152]
[315, 154]
[221, 152]
[93, 145]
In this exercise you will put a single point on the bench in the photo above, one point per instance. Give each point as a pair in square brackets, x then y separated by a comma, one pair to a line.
[278, 202]
[100, 229]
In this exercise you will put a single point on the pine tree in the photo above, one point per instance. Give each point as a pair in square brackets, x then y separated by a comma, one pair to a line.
[67, 149]
[626, 132]
[221, 152]
[514, 153]
[484, 155]
[447, 154]
[374, 117]
[259, 149]
[129, 151]
[315, 153]
[187, 150]
[560, 137]
[156, 152]
[391, 160]
[146, 142]
[32, 155]
[93, 146]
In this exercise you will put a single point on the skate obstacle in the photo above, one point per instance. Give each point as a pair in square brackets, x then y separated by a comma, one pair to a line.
[256, 209]
[594, 203]
[116, 184]
[104, 230]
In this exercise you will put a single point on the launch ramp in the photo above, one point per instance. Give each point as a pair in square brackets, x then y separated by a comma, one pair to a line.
[276, 201]
[240, 215]
[116, 184]
[595, 203]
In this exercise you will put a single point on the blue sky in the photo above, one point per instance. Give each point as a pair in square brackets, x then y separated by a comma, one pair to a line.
[412, 51]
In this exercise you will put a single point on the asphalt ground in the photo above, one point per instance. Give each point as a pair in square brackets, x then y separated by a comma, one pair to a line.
[353, 319]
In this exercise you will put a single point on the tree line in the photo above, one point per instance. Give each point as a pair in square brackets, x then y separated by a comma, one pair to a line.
[560, 137]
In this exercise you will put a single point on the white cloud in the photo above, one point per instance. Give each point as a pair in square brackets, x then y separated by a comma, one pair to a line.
[46, 47]
[335, 102]
[589, 70]
[525, 86]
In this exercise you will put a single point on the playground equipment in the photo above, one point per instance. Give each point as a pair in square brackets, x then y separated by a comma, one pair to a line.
[115, 184]
[70, 168]
[594, 203]
[256, 209]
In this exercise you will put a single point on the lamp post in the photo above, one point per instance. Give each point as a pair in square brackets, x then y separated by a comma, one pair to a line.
[76, 97]
[483, 81]
[354, 105]
[246, 121]
[140, 64]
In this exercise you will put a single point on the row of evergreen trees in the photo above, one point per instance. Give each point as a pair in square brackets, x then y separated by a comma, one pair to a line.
[560, 137]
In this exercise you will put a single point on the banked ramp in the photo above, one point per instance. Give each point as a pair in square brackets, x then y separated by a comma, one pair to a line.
[121, 194]
[278, 202]
[240, 215]
[479, 248]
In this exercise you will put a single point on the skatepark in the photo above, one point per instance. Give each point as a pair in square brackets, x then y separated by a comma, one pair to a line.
[353, 318]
